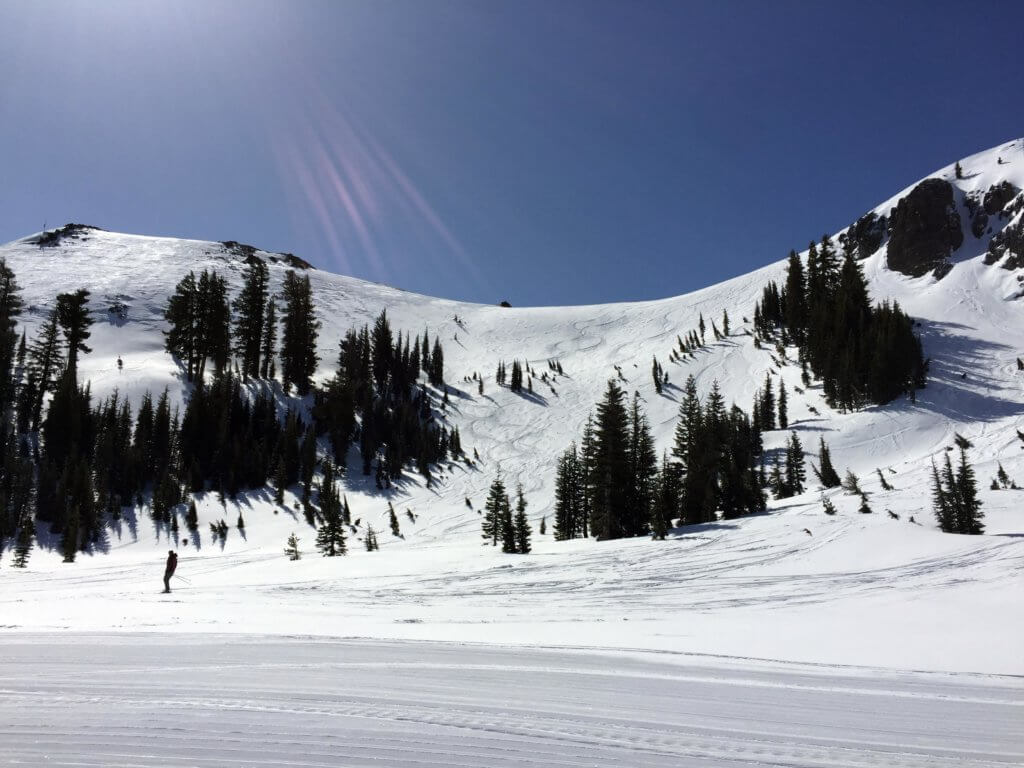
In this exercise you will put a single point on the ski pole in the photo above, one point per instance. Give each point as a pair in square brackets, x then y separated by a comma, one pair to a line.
[183, 579]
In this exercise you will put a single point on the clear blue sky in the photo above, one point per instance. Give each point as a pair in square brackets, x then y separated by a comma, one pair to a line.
[549, 152]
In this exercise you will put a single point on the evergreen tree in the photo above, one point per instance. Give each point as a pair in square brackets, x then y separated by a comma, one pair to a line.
[213, 323]
[393, 521]
[567, 495]
[181, 340]
[827, 506]
[494, 509]
[968, 506]
[330, 538]
[643, 472]
[958, 170]
[725, 323]
[73, 317]
[250, 315]
[612, 478]
[851, 483]
[795, 473]
[666, 500]
[10, 308]
[292, 548]
[520, 525]
[436, 373]
[299, 336]
[783, 407]
[827, 474]
[371, 539]
[796, 299]
[45, 364]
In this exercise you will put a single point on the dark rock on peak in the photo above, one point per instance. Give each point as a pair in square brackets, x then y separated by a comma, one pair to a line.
[924, 230]
[54, 237]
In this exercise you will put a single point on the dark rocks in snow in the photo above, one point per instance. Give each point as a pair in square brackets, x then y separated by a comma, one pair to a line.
[997, 196]
[924, 230]
[1008, 244]
[54, 237]
[865, 235]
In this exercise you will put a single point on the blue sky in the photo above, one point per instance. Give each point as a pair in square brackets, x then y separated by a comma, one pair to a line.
[549, 152]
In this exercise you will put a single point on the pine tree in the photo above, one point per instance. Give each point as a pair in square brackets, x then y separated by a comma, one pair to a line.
[827, 474]
[827, 506]
[393, 521]
[643, 467]
[783, 408]
[666, 500]
[292, 548]
[612, 478]
[494, 509]
[250, 315]
[520, 525]
[45, 364]
[330, 538]
[23, 542]
[958, 170]
[508, 529]
[543, 525]
[181, 340]
[268, 343]
[212, 323]
[567, 495]
[725, 323]
[864, 508]
[882, 481]
[768, 405]
[1002, 477]
[851, 483]
[299, 336]
[10, 308]
[701, 326]
[796, 300]
[968, 508]
[795, 473]
[436, 373]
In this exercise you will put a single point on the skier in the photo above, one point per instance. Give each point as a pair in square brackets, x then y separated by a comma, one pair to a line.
[172, 563]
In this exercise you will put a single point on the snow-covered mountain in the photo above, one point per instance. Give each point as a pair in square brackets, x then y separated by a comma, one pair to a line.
[950, 250]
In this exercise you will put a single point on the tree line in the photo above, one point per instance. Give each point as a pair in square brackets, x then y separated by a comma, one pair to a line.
[863, 353]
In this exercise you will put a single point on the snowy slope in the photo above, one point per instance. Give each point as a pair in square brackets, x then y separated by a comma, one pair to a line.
[859, 589]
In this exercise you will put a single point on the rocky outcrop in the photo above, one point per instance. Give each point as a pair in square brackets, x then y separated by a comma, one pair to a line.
[1008, 244]
[983, 205]
[924, 230]
[54, 237]
[865, 235]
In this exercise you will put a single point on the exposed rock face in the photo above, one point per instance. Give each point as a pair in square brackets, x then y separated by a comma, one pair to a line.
[1009, 243]
[865, 235]
[998, 196]
[924, 230]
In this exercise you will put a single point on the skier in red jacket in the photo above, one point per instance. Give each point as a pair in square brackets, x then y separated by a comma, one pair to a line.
[172, 563]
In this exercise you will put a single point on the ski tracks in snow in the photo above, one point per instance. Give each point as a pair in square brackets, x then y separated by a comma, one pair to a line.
[233, 701]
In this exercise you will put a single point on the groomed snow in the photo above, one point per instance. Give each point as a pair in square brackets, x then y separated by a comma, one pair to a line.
[158, 700]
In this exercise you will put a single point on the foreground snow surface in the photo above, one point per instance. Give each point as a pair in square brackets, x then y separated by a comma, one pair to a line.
[206, 700]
